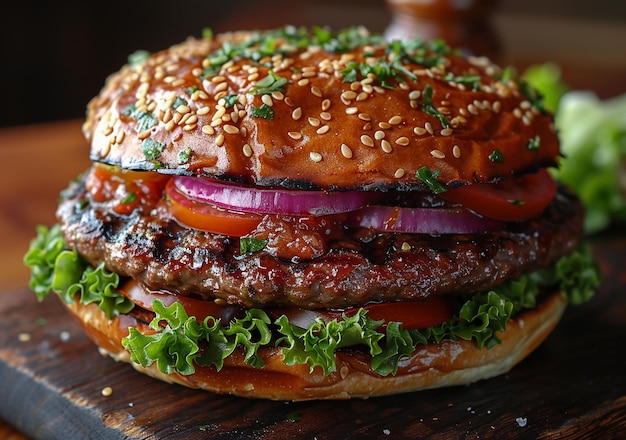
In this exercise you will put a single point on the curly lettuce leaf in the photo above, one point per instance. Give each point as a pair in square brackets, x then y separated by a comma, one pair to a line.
[180, 342]
[184, 341]
[593, 142]
[54, 268]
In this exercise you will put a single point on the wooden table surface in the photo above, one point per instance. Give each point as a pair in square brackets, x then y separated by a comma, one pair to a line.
[38, 161]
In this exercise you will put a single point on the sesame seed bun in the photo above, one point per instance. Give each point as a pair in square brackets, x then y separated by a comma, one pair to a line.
[186, 111]
[451, 362]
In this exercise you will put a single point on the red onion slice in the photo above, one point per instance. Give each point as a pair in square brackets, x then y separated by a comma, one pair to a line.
[271, 201]
[422, 220]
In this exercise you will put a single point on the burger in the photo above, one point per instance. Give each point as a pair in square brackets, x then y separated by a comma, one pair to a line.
[306, 213]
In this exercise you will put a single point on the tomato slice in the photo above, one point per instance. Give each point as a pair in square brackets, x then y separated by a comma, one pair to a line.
[515, 199]
[207, 217]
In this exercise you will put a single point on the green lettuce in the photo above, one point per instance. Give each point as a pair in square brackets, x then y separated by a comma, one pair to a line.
[180, 342]
[54, 268]
[593, 143]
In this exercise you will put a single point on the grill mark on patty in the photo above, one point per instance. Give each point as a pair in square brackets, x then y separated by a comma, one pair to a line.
[360, 267]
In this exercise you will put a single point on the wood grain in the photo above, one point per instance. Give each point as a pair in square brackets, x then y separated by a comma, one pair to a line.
[573, 386]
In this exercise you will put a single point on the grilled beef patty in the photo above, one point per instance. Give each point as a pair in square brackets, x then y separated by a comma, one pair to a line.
[344, 268]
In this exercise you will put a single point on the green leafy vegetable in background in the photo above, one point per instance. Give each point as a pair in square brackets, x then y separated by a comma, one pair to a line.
[593, 143]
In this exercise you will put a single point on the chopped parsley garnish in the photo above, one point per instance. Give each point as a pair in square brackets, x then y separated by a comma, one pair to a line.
[251, 245]
[516, 202]
[138, 57]
[534, 143]
[191, 90]
[473, 81]
[178, 102]
[231, 100]
[265, 112]
[271, 83]
[130, 198]
[152, 149]
[184, 155]
[145, 120]
[496, 156]
[430, 179]
[428, 107]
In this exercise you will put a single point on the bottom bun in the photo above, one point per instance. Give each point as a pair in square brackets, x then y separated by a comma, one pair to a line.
[451, 362]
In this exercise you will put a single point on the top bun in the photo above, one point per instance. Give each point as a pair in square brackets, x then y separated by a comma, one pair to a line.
[311, 108]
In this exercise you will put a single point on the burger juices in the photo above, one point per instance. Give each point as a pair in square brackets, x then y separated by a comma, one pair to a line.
[307, 214]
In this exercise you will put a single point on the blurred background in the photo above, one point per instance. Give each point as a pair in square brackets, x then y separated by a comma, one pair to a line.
[56, 55]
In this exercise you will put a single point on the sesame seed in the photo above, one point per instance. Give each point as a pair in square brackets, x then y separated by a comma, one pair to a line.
[221, 111]
[379, 135]
[315, 122]
[183, 119]
[278, 95]
[309, 74]
[472, 109]
[326, 104]
[189, 127]
[170, 125]
[144, 134]
[456, 151]
[402, 141]
[384, 125]
[253, 76]
[346, 151]
[243, 131]
[415, 94]
[497, 106]
[216, 123]
[179, 82]
[395, 120]
[107, 391]
[231, 129]
[348, 95]
[419, 131]
[526, 120]
[438, 154]
[120, 137]
[203, 110]
[525, 105]
[323, 129]
[325, 116]
[386, 146]
[364, 117]
[315, 157]
[446, 132]
[296, 113]
[23, 337]
[352, 110]
[399, 173]
[429, 127]
[247, 150]
[367, 141]
[219, 140]
[295, 135]
[316, 91]
[517, 113]
[361, 97]
[267, 100]
[367, 88]
[303, 82]
[221, 87]
[406, 246]
[108, 130]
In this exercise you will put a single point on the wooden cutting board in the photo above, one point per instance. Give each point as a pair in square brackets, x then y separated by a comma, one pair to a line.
[52, 377]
